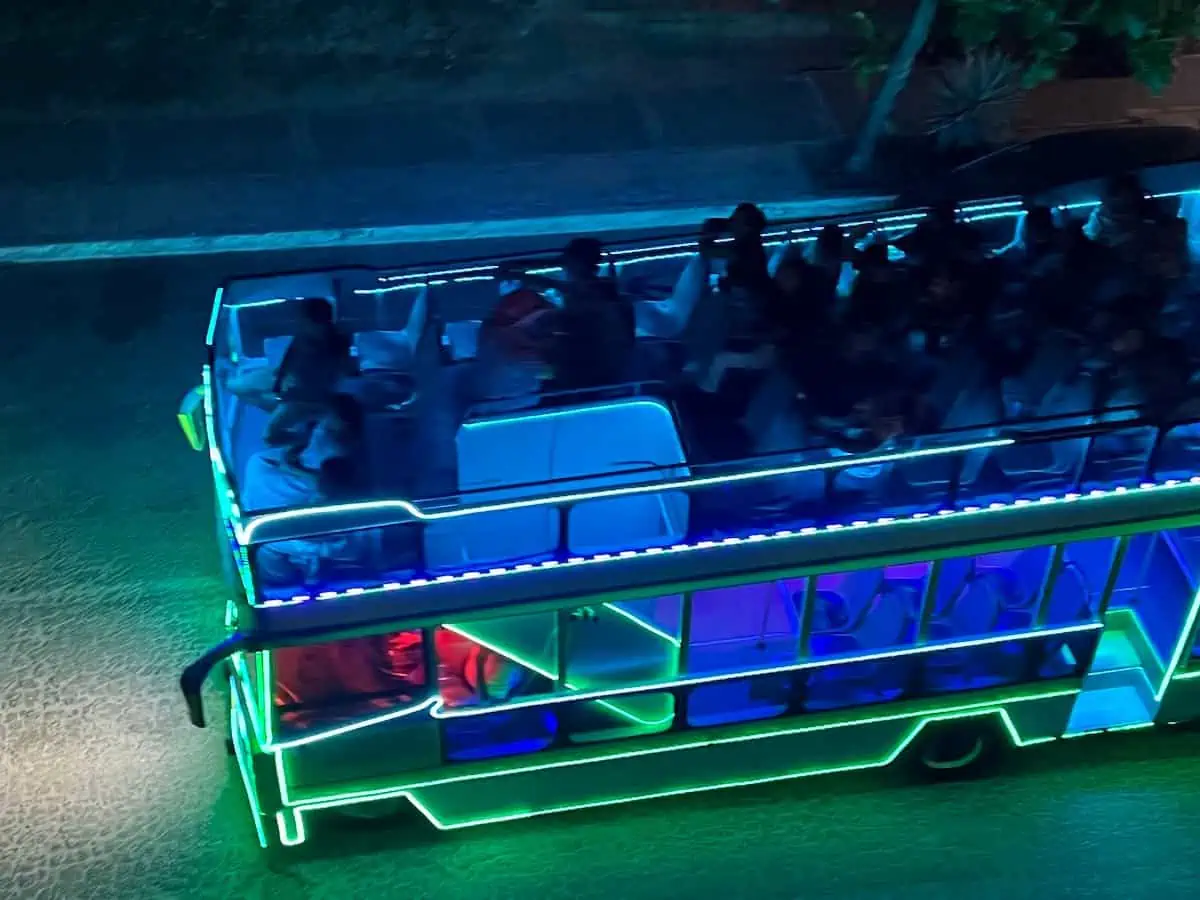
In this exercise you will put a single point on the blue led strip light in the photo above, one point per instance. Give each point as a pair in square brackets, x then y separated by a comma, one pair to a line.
[784, 534]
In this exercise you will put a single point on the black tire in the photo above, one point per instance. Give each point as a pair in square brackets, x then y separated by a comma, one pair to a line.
[229, 748]
[956, 751]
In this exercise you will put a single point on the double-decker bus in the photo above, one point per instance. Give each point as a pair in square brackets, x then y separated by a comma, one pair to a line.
[551, 603]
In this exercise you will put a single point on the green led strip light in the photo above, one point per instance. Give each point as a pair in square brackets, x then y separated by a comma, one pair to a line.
[439, 710]
[291, 823]
[241, 753]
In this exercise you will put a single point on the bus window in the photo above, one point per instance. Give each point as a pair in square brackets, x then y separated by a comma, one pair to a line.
[751, 626]
[338, 682]
[616, 645]
[1015, 592]
[867, 612]
[489, 663]
[1154, 591]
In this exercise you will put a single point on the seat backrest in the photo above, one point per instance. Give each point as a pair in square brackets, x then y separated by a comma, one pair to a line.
[670, 317]
[614, 441]
[1068, 601]
[975, 611]
[395, 349]
[885, 621]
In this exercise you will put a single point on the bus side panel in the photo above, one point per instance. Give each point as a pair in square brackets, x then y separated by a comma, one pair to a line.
[1182, 700]
[787, 752]
[386, 750]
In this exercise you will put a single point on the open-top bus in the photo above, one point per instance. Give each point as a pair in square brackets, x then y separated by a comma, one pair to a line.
[584, 613]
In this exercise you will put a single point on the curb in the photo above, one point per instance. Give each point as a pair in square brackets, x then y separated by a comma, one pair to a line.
[496, 229]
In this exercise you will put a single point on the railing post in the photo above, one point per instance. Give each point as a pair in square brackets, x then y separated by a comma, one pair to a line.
[1120, 551]
[683, 694]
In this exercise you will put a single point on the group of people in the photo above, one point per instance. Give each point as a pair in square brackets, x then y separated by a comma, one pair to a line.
[860, 326]
[863, 326]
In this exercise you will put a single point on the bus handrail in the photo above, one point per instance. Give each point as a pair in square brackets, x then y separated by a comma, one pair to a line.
[698, 477]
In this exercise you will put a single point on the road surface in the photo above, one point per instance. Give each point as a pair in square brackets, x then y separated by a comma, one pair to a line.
[108, 587]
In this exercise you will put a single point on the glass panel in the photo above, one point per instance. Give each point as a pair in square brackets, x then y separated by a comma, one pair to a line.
[1156, 586]
[1119, 458]
[364, 558]
[751, 626]
[329, 684]
[1000, 593]
[617, 645]
[860, 613]
[489, 662]
[1089, 563]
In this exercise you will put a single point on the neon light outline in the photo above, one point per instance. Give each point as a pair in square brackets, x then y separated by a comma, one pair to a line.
[1181, 648]
[783, 534]
[412, 509]
[582, 695]
[975, 710]
[296, 819]
[441, 712]
[438, 710]
[238, 736]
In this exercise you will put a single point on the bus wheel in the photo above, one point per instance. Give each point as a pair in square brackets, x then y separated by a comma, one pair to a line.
[957, 751]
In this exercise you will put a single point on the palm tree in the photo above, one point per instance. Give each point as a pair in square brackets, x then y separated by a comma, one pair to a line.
[893, 83]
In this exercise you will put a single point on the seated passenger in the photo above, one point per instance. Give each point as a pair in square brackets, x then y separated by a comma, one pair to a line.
[850, 391]
[826, 257]
[1039, 251]
[316, 360]
[747, 275]
[514, 323]
[595, 331]
[274, 482]
[1145, 368]
[339, 433]
[1121, 220]
[882, 292]
[940, 236]
[946, 311]
[803, 308]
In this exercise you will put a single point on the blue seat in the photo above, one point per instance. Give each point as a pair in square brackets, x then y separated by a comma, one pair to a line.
[507, 733]
[975, 613]
[748, 627]
[1178, 453]
[930, 478]
[886, 623]
[1017, 584]
[1033, 469]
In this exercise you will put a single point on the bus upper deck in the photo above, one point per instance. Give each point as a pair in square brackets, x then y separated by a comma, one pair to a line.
[473, 469]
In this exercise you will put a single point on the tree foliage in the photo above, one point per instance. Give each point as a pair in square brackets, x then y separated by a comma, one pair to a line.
[1039, 35]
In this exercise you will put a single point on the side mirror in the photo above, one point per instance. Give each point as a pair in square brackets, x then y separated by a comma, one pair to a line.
[191, 418]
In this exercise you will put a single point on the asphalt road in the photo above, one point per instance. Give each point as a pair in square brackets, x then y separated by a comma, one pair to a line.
[108, 586]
